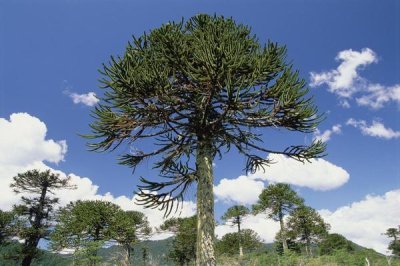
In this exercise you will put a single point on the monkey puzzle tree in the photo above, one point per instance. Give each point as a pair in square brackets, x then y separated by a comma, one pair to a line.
[128, 229]
[85, 226]
[307, 226]
[249, 239]
[234, 215]
[36, 213]
[394, 245]
[197, 89]
[278, 200]
[184, 244]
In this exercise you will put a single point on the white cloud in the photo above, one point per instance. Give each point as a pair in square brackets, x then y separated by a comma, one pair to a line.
[318, 174]
[326, 135]
[377, 95]
[376, 129]
[88, 99]
[23, 147]
[345, 80]
[241, 190]
[23, 140]
[363, 222]
[265, 228]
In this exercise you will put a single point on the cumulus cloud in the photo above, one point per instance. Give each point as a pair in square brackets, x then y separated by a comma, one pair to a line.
[24, 146]
[318, 174]
[326, 135]
[363, 222]
[23, 140]
[242, 190]
[88, 99]
[376, 129]
[344, 80]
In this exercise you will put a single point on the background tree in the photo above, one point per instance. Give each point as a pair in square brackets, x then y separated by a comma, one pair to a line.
[278, 200]
[7, 220]
[36, 212]
[307, 226]
[197, 88]
[248, 239]
[184, 244]
[334, 242]
[129, 228]
[234, 216]
[394, 245]
[85, 226]
[292, 244]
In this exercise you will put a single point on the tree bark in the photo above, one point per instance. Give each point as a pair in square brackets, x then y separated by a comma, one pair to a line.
[283, 233]
[240, 239]
[33, 240]
[205, 206]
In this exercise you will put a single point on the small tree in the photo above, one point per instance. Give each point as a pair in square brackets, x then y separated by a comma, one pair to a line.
[334, 242]
[36, 213]
[196, 89]
[278, 200]
[234, 215]
[248, 240]
[394, 245]
[129, 228]
[7, 220]
[184, 244]
[307, 226]
[85, 226]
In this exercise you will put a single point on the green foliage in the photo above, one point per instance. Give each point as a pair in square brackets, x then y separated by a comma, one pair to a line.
[229, 243]
[306, 226]
[84, 226]
[334, 242]
[293, 246]
[184, 244]
[11, 255]
[278, 200]
[338, 258]
[7, 220]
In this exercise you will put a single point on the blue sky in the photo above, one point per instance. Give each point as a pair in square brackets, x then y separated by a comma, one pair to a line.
[51, 51]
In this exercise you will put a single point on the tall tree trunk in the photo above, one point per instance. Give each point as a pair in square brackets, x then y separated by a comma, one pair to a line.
[126, 261]
[283, 233]
[205, 206]
[33, 239]
[240, 239]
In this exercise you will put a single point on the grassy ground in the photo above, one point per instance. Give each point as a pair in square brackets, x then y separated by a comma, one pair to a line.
[357, 258]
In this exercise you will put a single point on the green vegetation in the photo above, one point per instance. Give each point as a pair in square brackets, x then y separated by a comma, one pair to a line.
[248, 239]
[197, 89]
[183, 249]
